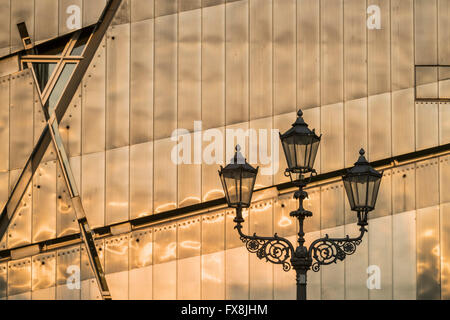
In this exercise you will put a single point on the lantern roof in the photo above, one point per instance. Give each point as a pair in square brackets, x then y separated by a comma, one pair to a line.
[299, 127]
[362, 167]
[238, 162]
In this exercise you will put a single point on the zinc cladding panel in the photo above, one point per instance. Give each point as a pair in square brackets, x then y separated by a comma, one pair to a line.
[355, 50]
[141, 269]
[308, 54]
[402, 44]
[117, 185]
[260, 39]
[189, 177]
[331, 51]
[46, 22]
[402, 60]
[379, 52]
[189, 69]
[141, 180]
[379, 111]
[189, 101]
[332, 145]
[403, 189]
[284, 56]
[262, 145]
[236, 260]
[189, 5]
[428, 258]
[236, 63]
[165, 254]
[141, 249]
[213, 264]
[118, 86]
[19, 277]
[213, 67]
[332, 205]
[165, 107]
[165, 7]
[211, 185]
[92, 11]
[116, 266]
[68, 273]
[44, 202]
[356, 268]
[189, 261]
[355, 118]
[427, 130]
[403, 124]
[404, 256]
[380, 255]
[142, 10]
[425, 23]
[141, 81]
[93, 104]
[443, 31]
[164, 176]
[43, 276]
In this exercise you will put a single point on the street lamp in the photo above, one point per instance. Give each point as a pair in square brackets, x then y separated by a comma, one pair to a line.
[300, 146]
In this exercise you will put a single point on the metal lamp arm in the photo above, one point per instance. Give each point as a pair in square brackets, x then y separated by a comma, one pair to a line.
[274, 249]
[325, 251]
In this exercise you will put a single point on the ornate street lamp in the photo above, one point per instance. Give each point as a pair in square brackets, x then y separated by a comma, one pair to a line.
[300, 145]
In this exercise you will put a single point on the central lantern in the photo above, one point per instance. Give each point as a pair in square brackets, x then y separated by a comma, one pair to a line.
[300, 146]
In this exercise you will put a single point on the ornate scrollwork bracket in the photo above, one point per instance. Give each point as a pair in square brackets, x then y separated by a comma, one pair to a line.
[327, 250]
[274, 249]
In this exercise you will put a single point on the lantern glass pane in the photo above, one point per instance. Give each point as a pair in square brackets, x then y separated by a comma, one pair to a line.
[301, 155]
[247, 189]
[348, 190]
[289, 151]
[374, 186]
[313, 152]
[233, 189]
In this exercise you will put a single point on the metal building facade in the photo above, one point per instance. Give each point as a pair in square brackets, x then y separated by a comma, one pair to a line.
[245, 64]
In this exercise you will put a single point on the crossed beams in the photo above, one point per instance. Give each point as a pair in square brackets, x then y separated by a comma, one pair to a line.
[55, 100]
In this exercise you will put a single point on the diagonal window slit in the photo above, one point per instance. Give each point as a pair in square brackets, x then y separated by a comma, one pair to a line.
[43, 73]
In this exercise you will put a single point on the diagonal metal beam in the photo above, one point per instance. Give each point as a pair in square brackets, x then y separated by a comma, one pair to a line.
[51, 133]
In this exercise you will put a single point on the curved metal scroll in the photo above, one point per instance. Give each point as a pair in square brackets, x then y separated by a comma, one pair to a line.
[274, 249]
[327, 250]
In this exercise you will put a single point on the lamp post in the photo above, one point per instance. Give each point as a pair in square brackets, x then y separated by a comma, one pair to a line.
[300, 146]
